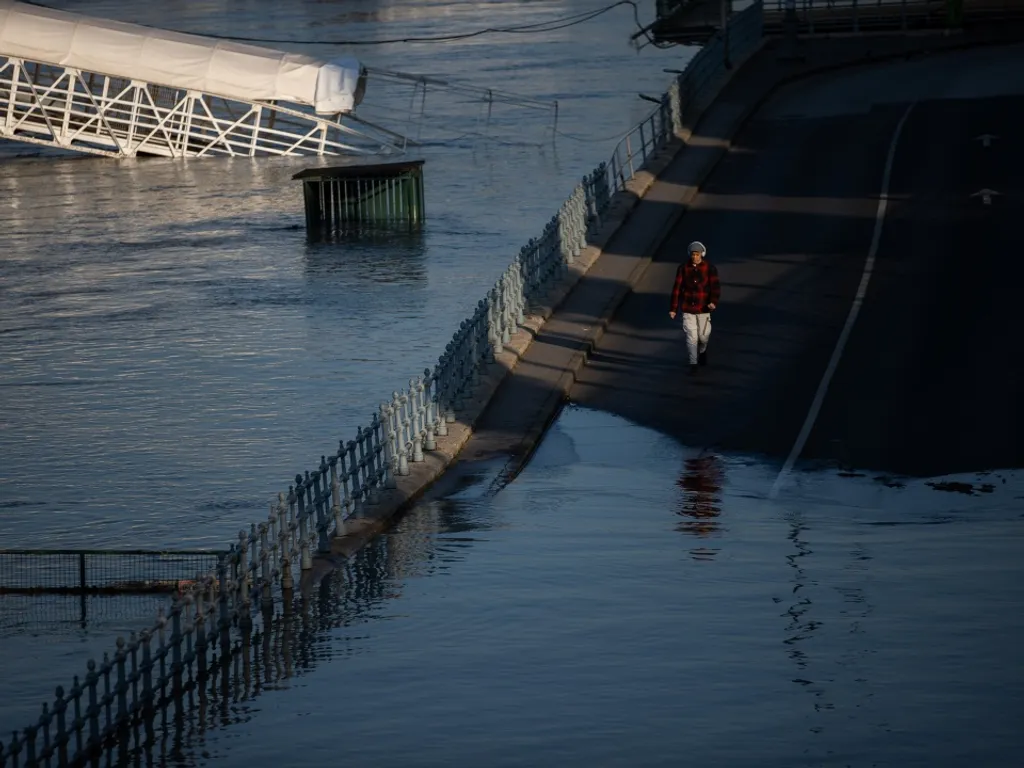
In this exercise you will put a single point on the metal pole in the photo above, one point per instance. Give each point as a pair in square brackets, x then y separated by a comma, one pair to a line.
[726, 59]
[791, 46]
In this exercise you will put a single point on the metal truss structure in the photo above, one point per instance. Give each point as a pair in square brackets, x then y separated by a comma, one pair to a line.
[115, 116]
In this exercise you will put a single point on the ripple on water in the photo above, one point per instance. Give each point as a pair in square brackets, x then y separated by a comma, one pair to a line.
[574, 613]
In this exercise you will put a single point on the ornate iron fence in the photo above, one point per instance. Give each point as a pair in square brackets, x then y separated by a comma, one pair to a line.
[221, 606]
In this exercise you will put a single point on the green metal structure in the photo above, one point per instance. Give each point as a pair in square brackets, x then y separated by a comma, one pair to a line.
[353, 197]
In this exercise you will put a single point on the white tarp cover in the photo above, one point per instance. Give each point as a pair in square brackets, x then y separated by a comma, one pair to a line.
[219, 67]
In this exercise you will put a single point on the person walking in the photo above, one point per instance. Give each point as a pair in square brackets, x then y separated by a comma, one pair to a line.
[695, 294]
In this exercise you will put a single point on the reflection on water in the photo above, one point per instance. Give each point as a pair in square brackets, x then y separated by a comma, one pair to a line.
[371, 257]
[75, 615]
[797, 629]
[175, 350]
[572, 632]
[293, 640]
[701, 481]
[172, 339]
[557, 622]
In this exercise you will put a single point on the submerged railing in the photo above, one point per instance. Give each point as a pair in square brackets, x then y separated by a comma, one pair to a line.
[186, 669]
[218, 610]
[99, 571]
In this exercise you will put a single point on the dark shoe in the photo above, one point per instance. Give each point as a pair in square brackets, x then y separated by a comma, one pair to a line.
[694, 369]
[702, 357]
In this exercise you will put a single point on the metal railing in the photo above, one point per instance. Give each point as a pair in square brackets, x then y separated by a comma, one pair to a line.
[839, 16]
[187, 663]
[691, 89]
[98, 571]
[100, 114]
[221, 606]
[67, 613]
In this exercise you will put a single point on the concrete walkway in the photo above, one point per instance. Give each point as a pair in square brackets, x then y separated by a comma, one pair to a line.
[527, 400]
[523, 391]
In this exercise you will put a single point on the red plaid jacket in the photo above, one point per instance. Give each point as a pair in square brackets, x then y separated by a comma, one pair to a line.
[695, 287]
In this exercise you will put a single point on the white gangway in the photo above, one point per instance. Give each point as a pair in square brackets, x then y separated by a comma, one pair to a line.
[122, 90]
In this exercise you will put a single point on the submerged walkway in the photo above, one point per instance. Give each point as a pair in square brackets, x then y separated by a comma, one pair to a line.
[788, 214]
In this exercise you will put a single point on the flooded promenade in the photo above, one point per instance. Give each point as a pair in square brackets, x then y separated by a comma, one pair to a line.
[632, 598]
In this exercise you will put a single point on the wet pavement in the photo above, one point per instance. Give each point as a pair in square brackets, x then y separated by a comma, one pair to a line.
[926, 384]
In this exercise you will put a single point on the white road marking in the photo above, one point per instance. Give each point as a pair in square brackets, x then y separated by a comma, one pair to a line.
[851, 318]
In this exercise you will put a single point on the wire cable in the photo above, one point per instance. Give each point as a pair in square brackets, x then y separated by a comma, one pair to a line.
[551, 25]
[540, 27]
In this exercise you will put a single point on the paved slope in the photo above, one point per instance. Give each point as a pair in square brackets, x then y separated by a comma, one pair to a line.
[787, 218]
[928, 382]
[931, 381]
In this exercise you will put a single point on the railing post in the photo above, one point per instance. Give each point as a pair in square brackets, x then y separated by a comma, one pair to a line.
[254, 554]
[176, 637]
[357, 488]
[319, 484]
[147, 673]
[336, 510]
[272, 541]
[121, 687]
[305, 559]
[93, 709]
[161, 635]
[44, 726]
[224, 618]
[293, 521]
[30, 746]
[401, 427]
[61, 738]
[415, 416]
[108, 697]
[348, 505]
[430, 410]
[380, 468]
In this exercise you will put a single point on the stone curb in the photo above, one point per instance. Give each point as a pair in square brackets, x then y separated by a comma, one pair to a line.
[376, 518]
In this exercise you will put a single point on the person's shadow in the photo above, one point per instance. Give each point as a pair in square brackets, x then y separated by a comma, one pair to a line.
[701, 504]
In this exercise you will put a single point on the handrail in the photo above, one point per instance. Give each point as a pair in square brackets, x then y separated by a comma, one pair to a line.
[218, 609]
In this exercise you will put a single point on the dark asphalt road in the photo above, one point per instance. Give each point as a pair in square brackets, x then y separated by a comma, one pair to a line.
[928, 382]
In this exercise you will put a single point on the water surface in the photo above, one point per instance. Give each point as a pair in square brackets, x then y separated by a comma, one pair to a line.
[630, 602]
[174, 351]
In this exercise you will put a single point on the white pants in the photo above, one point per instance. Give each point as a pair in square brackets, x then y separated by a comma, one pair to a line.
[697, 329]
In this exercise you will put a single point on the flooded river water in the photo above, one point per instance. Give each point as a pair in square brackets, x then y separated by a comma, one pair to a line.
[174, 351]
[629, 602]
